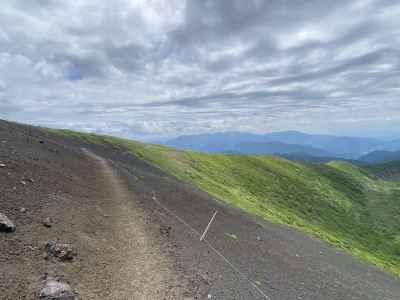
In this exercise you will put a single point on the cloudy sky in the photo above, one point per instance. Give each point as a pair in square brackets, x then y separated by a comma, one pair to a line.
[167, 67]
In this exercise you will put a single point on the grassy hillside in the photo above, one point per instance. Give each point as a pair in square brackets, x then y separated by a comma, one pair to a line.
[386, 171]
[340, 203]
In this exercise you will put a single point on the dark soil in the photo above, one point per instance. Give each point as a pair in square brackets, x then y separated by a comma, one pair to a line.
[113, 248]
[101, 200]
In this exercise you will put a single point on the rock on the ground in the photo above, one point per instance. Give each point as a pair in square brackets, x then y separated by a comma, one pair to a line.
[5, 224]
[57, 290]
[23, 210]
[47, 222]
[61, 251]
[165, 230]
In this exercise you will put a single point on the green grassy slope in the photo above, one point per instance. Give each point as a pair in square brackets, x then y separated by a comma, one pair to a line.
[387, 170]
[340, 203]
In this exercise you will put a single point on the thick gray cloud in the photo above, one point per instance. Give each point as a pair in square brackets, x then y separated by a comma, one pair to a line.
[162, 67]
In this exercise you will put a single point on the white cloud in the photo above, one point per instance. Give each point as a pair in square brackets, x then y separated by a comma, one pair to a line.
[153, 67]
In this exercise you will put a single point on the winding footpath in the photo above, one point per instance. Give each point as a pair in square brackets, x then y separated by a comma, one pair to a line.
[137, 267]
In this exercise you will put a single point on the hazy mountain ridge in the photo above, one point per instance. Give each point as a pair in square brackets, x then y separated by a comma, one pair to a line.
[380, 156]
[290, 142]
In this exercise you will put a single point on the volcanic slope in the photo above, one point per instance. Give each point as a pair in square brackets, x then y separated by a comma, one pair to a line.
[120, 255]
[244, 256]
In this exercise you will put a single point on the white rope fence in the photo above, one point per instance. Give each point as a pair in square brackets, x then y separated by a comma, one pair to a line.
[202, 236]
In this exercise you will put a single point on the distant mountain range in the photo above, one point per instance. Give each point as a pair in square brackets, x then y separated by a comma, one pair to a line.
[380, 156]
[291, 144]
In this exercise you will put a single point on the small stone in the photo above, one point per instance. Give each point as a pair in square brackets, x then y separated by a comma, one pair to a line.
[2, 165]
[47, 222]
[63, 252]
[23, 182]
[209, 296]
[258, 238]
[165, 230]
[205, 278]
[31, 180]
[57, 290]
[23, 210]
[6, 225]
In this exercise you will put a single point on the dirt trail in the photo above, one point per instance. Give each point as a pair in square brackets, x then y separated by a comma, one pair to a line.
[137, 267]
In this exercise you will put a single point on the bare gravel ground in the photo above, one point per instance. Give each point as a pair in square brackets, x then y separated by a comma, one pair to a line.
[91, 207]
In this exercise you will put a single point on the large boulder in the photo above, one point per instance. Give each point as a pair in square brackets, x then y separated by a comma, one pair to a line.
[63, 252]
[5, 224]
[57, 290]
